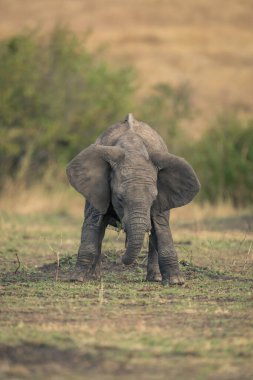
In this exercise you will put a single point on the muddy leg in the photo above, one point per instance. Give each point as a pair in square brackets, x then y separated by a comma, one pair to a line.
[88, 258]
[167, 256]
[153, 271]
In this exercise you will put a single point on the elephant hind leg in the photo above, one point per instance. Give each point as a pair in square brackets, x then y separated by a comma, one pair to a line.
[153, 271]
[167, 255]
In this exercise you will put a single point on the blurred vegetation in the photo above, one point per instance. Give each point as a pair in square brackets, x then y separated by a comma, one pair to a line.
[56, 98]
[223, 159]
[165, 108]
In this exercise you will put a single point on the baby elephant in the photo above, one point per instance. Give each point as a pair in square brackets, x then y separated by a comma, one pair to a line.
[129, 177]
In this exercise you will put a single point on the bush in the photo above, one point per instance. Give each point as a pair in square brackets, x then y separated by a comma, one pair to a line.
[164, 109]
[55, 99]
[223, 159]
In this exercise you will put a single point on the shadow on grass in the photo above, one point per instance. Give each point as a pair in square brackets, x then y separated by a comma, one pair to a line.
[93, 358]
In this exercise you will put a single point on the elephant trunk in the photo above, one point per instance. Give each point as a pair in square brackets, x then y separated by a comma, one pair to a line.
[135, 235]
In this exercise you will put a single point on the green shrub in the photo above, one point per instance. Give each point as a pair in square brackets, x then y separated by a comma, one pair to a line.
[223, 159]
[55, 100]
[164, 109]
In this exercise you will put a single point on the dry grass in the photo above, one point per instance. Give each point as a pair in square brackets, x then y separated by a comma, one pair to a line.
[19, 200]
[203, 42]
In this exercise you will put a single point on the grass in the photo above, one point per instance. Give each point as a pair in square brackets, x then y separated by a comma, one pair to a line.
[122, 326]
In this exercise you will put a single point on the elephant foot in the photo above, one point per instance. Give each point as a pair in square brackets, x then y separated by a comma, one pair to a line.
[82, 273]
[174, 279]
[77, 275]
[153, 277]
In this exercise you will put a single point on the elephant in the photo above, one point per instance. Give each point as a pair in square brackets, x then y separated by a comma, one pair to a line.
[128, 176]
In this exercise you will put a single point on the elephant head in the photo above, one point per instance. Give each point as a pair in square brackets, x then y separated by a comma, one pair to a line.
[135, 182]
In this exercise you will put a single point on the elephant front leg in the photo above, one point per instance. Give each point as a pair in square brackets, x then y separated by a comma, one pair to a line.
[167, 255]
[153, 271]
[88, 258]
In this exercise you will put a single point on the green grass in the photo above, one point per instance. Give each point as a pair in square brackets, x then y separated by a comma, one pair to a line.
[123, 326]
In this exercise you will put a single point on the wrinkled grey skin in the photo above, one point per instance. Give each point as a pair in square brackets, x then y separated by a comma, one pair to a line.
[128, 176]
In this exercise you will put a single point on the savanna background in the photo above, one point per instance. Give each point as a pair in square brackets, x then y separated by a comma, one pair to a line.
[68, 70]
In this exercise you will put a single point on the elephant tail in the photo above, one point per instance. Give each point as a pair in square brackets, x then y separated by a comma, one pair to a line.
[130, 120]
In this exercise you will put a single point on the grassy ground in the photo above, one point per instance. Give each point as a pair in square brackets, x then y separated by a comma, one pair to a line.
[121, 325]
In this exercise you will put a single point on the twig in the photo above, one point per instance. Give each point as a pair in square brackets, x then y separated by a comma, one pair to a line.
[249, 249]
[246, 261]
[119, 233]
[144, 260]
[58, 265]
[146, 240]
[18, 264]
[58, 260]
[241, 242]
[101, 293]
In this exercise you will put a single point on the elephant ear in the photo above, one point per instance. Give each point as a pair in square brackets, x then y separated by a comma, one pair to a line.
[89, 173]
[177, 183]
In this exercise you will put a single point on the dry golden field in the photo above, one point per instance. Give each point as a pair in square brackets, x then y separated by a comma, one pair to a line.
[205, 43]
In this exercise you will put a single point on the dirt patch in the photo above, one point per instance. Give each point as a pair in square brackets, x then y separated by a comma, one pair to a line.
[30, 353]
[109, 265]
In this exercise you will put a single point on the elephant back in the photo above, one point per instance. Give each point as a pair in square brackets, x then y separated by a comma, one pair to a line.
[152, 140]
